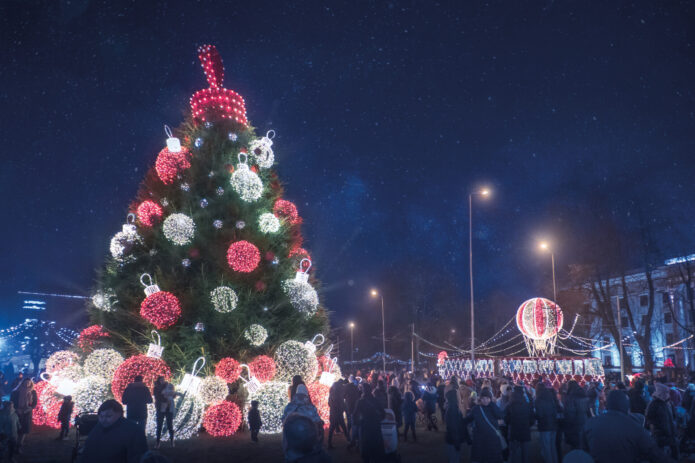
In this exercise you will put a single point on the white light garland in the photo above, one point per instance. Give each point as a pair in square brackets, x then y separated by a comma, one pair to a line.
[123, 242]
[213, 390]
[179, 229]
[261, 150]
[224, 299]
[91, 392]
[187, 417]
[268, 223]
[245, 182]
[104, 301]
[102, 363]
[292, 358]
[302, 296]
[272, 399]
[256, 335]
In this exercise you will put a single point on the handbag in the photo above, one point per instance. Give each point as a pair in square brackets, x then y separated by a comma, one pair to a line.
[503, 441]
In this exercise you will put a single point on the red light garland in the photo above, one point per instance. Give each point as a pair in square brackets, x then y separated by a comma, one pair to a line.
[216, 101]
[149, 213]
[39, 415]
[263, 368]
[222, 419]
[228, 369]
[148, 367]
[243, 256]
[284, 209]
[162, 309]
[169, 164]
[318, 393]
[90, 335]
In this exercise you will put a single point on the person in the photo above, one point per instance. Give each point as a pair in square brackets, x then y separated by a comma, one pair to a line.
[638, 402]
[396, 400]
[114, 439]
[466, 397]
[3, 384]
[576, 412]
[336, 404]
[519, 418]
[352, 395]
[136, 397]
[455, 430]
[659, 420]
[25, 400]
[546, 415]
[409, 412]
[301, 403]
[614, 437]
[380, 394]
[254, 420]
[17, 381]
[64, 415]
[487, 440]
[369, 414]
[152, 457]
[430, 399]
[301, 440]
[9, 427]
[166, 408]
[296, 381]
[505, 397]
[441, 398]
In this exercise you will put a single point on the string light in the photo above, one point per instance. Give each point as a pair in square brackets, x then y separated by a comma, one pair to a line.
[255, 335]
[138, 365]
[59, 360]
[104, 300]
[90, 336]
[272, 399]
[245, 182]
[243, 256]
[318, 393]
[263, 368]
[213, 389]
[301, 294]
[149, 213]
[170, 164]
[228, 369]
[286, 210]
[123, 242]
[262, 151]
[222, 419]
[224, 299]
[179, 229]
[162, 309]
[103, 363]
[292, 358]
[91, 391]
[268, 223]
[188, 416]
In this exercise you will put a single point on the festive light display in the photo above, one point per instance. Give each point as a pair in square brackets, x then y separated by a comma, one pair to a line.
[59, 360]
[301, 294]
[179, 229]
[104, 301]
[255, 335]
[539, 320]
[263, 368]
[90, 336]
[318, 393]
[148, 367]
[228, 369]
[102, 363]
[268, 223]
[162, 309]
[224, 299]
[123, 242]
[149, 213]
[286, 210]
[170, 164]
[188, 416]
[243, 256]
[245, 182]
[213, 389]
[39, 415]
[73, 373]
[90, 392]
[262, 151]
[292, 358]
[216, 102]
[272, 398]
[222, 419]
[217, 224]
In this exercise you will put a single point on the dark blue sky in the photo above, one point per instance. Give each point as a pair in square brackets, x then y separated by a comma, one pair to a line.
[387, 113]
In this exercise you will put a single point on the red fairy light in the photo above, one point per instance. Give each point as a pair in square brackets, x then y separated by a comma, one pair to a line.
[228, 369]
[147, 367]
[318, 393]
[263, 368]
[149, 213]
[90, 335]
[222, 419]
[162, 309]
[243, 256]
[284, 209]
[169, 164]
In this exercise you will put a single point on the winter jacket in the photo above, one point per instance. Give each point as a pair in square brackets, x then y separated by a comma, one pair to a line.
[65, 411]
[576, 414]
[486, 443]
[455, 430]
[136, 397]
[352, 395]
[122, 442]
[396, 401]
[430, 399]
[546, 412]
[660, 419]
[301, 404]
[254, 419]
[381, 397]
[369, 414]
[519, 417]
[9, 425]
[638, 403]
[614, 437]
[409, 410]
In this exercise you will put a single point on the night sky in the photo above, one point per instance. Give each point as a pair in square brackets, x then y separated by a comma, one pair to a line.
[387, 115]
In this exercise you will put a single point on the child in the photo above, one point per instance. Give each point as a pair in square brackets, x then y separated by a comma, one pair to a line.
[254, 420]
[9, 426]
[409, 410]
[64, 415]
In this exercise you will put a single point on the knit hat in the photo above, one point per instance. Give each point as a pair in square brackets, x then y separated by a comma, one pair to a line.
[486, 393]
[618, 401]
[662, 391]
[301, 389]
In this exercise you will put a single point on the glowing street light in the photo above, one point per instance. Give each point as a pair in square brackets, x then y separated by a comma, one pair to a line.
[375, 294]
[485, 192]
[352, 342]
[544, 246]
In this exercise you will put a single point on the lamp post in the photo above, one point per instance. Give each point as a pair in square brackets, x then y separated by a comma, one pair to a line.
[352, 344]
[375, 293]
[484, 193]
[546, 247]
[620, 338]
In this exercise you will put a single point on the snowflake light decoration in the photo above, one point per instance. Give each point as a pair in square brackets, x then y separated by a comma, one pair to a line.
[179, 229]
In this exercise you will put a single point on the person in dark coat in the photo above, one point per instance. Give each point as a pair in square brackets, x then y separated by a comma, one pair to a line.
[576, 413]
[441, 398]
[136, 397]
[296, 381]
[302, 440]
[64, 415]
[485, 416]
[519, 418]
[114, 439]
[659, 420]
[455, 430]
[615, 437]
[336, 404]
[254, 420]
[638, 403]
[546, 414]
[396, 401]
[409, 412]
[380, 394]
[430, 399]
[368, 414]
[352, 395]
[25, 400]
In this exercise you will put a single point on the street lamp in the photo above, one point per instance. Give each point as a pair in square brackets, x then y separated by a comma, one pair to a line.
[375, 293]
[352, 343]
[484, 193]
[543, 245]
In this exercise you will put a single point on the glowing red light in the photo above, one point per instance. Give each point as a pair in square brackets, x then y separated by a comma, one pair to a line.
[243, 256]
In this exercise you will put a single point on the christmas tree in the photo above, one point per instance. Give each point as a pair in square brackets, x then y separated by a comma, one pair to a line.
[208, 268]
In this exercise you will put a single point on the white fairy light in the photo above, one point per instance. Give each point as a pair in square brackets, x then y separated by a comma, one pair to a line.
[213, 390]
[292, 358]
[179, 229]
[262, 151]
[123, 242]
[102, 363]
[90, 392]
[245, 182]
[104, 300]
[256, 335]
[268, 223]
[188, 416]
[72, 372]
[217, 224]
[224, 299]
[301, 294]
[272, 399]
[59, 360]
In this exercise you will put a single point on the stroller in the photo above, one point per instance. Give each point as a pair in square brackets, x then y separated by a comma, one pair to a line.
[389, 432]
[84, 423]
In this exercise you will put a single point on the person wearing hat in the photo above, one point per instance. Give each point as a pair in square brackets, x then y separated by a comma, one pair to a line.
[301, 405]
[659, 419]
[614, 437]
[487, 439]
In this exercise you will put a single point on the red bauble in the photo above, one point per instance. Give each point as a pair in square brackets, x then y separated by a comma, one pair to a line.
[260, 286]
[169, 164]
[162, 309]
[263, 368]
[300, 253]
[222, 419]
[149, 213]
[243, 256]
[228, 369]
[269, 256]
[39, 415]
[148, 367]
[284, 209]
[318, 393]
[91, 335]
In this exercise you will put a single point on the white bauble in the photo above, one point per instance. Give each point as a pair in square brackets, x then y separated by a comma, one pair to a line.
[272, 399]
[256, 335]
[123, 243]
[302, 296]
[90, 392]
[268, 223]
[179, 229]
[187, 418]
[224, 299]
[104, 300]
[102, 363]
[262, 152]
[213, 390]
[292, 358]
[246, 183]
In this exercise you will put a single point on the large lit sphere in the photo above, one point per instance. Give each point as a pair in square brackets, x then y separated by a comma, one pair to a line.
[123, 242]
[90, 336]
[39, 415]
[162, 309]
[222, 419]
[246, 183]
[539, 318]
[224, 299]
[228, 369]
[213, 389]
[268, 223]
[255, 335]
[272, 399]
[90, 392]
[60, 359]
[179, 229]
[73, 372]
[318, 393]
[149, 213]
[188, 416]
[170, 164]
[286, 210]
[262, 152]
[102, 363]
[263, 368]
[148, 367]
[292, 358]
[243, 256]
[302, 296]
